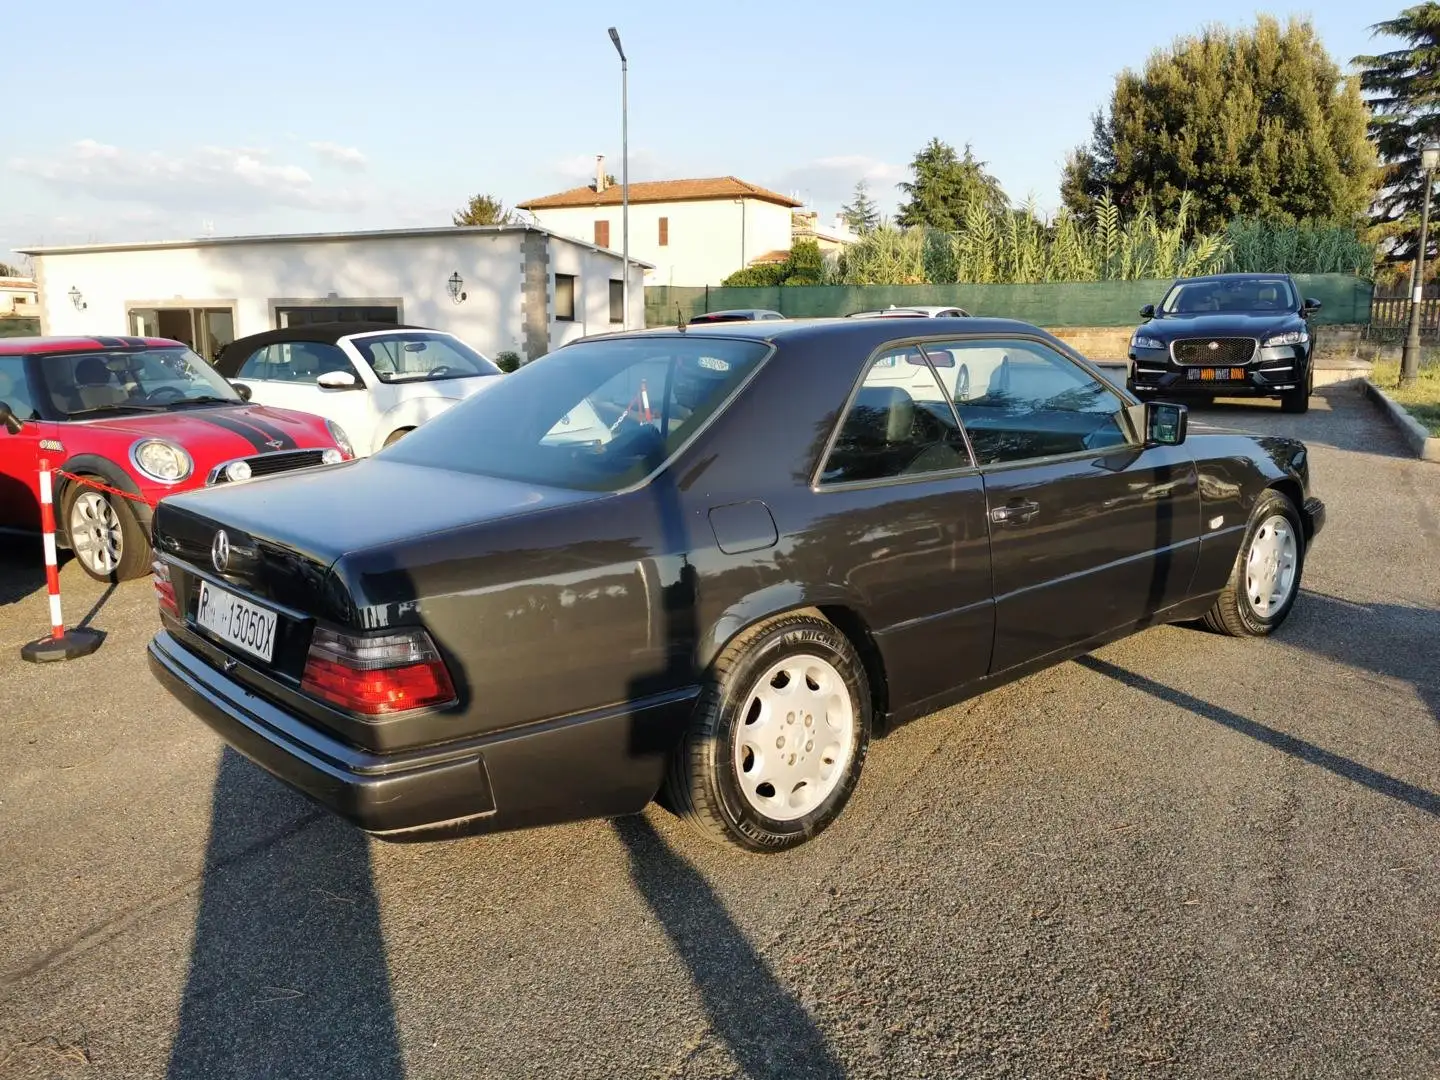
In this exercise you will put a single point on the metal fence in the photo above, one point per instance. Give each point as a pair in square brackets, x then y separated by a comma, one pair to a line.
[1390, 315]
[1345, 298]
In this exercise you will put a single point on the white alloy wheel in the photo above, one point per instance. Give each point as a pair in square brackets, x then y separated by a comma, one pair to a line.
[796, 738]
[1270, 565]
[96, 534]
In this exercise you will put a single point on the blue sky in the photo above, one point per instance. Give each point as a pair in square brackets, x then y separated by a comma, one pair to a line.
[159, 120]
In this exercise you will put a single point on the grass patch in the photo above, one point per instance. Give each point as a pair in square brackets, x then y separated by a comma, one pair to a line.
[1421, 398]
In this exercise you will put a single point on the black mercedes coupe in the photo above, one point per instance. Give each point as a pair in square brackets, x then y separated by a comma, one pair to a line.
[1228, 335]
[706, 564]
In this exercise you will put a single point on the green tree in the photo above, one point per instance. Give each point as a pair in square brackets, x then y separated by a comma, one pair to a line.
[945, 185]
[1257, 121]
[482, 210]
[861, 214]
[1403, 87]
[805, 266]
[7, 270]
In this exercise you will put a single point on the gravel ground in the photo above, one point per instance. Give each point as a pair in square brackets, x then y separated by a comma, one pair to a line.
[1182, 856]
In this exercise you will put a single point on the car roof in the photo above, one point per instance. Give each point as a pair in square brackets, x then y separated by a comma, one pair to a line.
[329, 333]
[1235, 276]
[871, 332]
[32, 346]
[736, 311]
[902, 310]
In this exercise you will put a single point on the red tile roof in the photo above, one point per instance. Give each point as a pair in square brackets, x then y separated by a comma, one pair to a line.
[779, 255]
[653, 191]
[16, 283]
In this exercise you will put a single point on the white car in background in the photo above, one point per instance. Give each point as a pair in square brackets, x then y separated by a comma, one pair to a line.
[376, 381]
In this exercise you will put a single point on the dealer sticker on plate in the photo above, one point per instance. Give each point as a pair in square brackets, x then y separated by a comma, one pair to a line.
[237, 622]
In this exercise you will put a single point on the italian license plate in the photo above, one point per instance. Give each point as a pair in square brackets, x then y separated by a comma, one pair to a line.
[237, 622]
[1210, 374]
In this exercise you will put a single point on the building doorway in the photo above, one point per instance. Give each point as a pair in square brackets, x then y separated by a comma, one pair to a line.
[205, 330]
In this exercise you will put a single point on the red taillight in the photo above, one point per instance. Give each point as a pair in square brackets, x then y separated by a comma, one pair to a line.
[377, 676]
[165, 588]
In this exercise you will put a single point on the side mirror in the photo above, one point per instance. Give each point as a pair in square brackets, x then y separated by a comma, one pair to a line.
[12, 423]
[1311, 304]
[338, 380]
[241, 389]
[1148, 311]
[1157, 423]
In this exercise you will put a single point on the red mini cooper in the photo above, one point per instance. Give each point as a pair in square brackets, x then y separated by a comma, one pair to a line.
[143, 416]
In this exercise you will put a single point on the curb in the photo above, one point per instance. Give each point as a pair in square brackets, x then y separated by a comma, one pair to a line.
[1421, 443]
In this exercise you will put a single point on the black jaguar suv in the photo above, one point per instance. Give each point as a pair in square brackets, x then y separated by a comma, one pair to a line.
[1227, 335]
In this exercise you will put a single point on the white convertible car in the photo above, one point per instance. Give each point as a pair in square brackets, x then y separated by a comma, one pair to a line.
[377, 381]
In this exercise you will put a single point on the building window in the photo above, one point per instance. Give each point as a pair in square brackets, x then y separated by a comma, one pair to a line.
[307, 315]
[565, 297]
[602, 234]
[617, 301]
[664, 232]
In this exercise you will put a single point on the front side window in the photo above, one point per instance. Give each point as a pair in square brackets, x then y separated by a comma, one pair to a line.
[900, 424]
[617, 301]
[412, 356]
[1027, 401]
[295, 362]
[1229, 294]
[15, 388]
[81, 384]
[565, 297]
[594, 416]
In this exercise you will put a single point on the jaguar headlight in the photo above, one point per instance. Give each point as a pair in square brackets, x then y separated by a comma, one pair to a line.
[161, 460]
[1140, 341]
[1290, 337]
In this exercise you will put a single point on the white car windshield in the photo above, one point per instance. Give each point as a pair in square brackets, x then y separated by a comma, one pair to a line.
[413, 356]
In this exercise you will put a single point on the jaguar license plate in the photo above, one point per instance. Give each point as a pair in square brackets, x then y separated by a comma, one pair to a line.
[237, 622]
[1210, 374]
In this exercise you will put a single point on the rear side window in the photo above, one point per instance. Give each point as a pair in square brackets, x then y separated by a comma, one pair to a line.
[899, 425]
[294, 362]
[15, 387]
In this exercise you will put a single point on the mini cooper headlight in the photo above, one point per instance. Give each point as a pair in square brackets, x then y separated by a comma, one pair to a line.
[331, 457]
[161, 460]
[341, 439]
[1290, 337]
[1140, 341]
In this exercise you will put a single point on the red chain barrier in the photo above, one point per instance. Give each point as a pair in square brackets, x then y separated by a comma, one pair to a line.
[98, 486]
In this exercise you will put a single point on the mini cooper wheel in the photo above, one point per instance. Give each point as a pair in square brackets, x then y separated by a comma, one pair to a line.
[107, 541]
[778, 737]
[1266, 576]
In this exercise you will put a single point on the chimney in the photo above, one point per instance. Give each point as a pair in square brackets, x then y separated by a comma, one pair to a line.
[599, 173]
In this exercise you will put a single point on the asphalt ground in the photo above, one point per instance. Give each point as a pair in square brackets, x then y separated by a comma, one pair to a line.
[1183, 856]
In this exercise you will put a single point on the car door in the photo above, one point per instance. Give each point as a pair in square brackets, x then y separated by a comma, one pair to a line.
[285, 374]
[20, 453]
[901, 524]
[1090, 531]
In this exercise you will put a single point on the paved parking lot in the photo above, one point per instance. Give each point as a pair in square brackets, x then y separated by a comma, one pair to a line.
[1183, 856]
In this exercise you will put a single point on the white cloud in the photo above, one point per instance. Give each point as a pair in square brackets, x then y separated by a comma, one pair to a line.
[830, 181]
[211, 180]
[348, 157]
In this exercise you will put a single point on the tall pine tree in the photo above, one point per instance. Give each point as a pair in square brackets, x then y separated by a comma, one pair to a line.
[861, 214]
[1254, 121]
[945, 185]
[1403, 87]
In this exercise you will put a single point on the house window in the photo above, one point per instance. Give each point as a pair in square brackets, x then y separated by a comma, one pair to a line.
[617, 301]
[565, 297]
[602, 234]
[308, 315]
[664, 232]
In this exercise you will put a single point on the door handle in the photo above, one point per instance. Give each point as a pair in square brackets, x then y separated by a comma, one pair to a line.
[1015, 512]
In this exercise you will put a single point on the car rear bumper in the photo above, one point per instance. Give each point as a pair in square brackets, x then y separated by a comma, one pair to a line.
[598, 764]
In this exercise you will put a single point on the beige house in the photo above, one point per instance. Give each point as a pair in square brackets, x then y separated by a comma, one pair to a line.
[19, 296]
[694, 232]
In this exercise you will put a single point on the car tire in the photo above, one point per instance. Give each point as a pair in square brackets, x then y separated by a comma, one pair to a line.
[104, 535]
[756, 713]
[395, 436]
[1298, 400]
[1274, 530]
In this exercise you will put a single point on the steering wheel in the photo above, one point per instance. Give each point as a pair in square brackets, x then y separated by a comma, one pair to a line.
[172, 392]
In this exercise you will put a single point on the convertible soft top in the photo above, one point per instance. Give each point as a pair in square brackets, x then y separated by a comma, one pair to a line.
[238, 351]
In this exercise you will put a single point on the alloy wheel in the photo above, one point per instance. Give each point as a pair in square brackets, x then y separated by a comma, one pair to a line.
[95, 533]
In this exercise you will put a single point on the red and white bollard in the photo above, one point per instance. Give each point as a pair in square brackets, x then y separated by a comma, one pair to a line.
[61, 644]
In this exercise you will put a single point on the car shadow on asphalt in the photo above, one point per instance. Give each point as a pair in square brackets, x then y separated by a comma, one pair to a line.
[1345, 402]
[765, 1029]
[1305, 751]
[288, 974]
[22, 568]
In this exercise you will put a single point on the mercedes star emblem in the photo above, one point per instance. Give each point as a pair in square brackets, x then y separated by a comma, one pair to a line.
[220, 551]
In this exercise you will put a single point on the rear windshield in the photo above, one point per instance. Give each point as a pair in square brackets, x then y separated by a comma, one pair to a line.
[594, 416]
[408, 356]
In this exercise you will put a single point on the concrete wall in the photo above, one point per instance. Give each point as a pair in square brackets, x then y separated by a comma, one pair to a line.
[254, 278]
[706, 240]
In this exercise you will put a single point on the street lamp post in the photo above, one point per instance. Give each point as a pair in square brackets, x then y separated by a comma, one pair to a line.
[1410, 357]
[624, 173]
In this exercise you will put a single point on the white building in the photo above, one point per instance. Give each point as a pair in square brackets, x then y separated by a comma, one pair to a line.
[18, 296]
[502, 287]
[693, 232]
